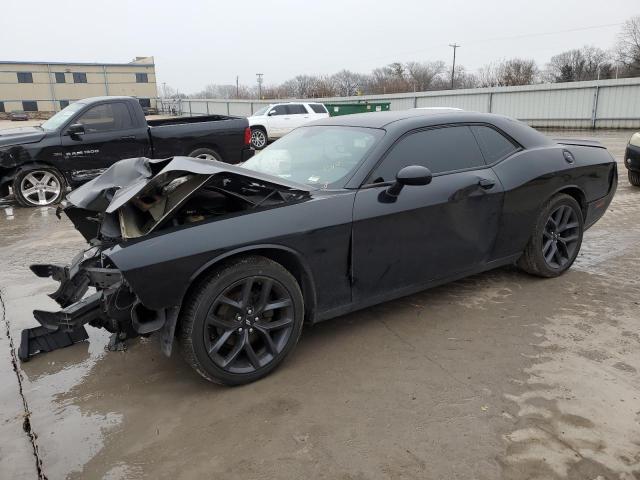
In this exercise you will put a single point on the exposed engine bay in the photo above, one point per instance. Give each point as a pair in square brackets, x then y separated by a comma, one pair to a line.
[135, 198]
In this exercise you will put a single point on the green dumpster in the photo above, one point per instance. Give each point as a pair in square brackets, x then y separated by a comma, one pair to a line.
[336, 109]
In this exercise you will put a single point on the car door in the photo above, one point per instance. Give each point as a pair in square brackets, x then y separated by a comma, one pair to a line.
[277, 121]
[427, 232]
[298, 116]
[110, 134]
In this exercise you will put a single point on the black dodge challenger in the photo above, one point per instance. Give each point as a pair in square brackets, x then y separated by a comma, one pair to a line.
[338, 215]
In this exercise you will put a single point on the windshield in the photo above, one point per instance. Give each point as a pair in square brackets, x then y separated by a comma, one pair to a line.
[62, 116]
[322, 156]
[262, 111]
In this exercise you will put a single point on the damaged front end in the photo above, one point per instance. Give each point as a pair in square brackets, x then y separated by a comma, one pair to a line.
[132, 199]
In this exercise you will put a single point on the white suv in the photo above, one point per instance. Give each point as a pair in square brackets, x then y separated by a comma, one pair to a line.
[278, 119]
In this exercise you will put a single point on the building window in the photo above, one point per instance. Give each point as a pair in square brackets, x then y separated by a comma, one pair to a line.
[60, 77]
[64, 104]
[79, 77]
[29, 105]
[1, 107]
[142, 78]
[25, 77]
[145, 102]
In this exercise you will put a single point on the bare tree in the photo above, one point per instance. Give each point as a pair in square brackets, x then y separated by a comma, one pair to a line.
[512, 72]
[489, 75]
[462, 79]
[422, 74]
[628, 47]
[587, 63]
[518, 71]
[299, 87]
[379, 81]
[347, 83]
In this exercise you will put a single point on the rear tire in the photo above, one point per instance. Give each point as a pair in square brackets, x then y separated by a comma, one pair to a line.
[259, 138]
[556, 238]
[206, 154]
[39, 187]
[241, 321]
[634, 178]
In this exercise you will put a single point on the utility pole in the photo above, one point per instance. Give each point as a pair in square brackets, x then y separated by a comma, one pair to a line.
[259, 80]
[453, 68]
[237, 87]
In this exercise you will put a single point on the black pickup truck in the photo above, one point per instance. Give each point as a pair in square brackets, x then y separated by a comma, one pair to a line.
[82, 140]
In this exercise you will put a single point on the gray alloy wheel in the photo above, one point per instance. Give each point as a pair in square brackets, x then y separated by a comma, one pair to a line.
[248, 324]
[556, 238]
[258, 138]
[38, 188]
[561, 237]
[239, 323]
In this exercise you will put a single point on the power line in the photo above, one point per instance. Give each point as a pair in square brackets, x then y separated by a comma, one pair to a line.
[491, 39]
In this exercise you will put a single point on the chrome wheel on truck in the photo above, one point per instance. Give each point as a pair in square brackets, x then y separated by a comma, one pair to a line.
[38, 188]
[258, 138]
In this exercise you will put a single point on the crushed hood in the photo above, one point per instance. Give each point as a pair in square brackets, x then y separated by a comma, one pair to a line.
[138, 196]
[126, 178]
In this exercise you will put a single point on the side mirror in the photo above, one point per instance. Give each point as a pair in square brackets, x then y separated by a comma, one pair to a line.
[411, 175]
[271, 113]
[75, 130]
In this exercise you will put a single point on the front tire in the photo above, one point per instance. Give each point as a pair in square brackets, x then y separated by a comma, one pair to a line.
[259, 138]
[556, 238]
[39, 187]
[634, 178]
[241, 321]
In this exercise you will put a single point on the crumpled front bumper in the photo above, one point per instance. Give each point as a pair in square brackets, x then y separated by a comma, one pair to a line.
[66, 327]
[113, 306]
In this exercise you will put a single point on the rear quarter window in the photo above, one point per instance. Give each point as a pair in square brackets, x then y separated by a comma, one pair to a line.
[318, 108]
[493, 144]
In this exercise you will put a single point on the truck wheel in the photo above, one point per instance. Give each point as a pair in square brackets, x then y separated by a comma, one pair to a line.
[38, 187]
[241, 321]
[258, 138]
[634, 178]
[206, 154]
[556, 238]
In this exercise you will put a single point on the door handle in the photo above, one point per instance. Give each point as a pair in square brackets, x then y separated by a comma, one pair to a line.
[486, 183]
[128, 137]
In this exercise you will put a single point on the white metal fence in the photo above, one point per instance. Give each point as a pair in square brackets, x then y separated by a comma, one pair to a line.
[594, 104]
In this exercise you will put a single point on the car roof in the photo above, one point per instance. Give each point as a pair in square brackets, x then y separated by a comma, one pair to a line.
[381, 119]
[401, 121]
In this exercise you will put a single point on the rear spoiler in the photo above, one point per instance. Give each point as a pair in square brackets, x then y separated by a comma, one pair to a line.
[580, 142]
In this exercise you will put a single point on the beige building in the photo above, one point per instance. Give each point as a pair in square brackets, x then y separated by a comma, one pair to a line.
[42, 88]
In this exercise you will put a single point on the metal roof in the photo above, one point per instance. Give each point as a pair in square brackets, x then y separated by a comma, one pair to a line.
[82, 64]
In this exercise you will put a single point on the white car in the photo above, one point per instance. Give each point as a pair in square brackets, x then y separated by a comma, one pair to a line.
[278, 119]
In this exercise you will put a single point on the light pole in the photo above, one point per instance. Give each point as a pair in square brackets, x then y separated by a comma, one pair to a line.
[259, 80]
[453, 67]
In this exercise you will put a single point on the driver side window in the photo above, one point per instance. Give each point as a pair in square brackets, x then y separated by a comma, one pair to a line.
[441, 150]
[106, 118]
[279, 110]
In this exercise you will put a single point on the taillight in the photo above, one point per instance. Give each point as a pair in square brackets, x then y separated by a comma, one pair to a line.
[247, 136]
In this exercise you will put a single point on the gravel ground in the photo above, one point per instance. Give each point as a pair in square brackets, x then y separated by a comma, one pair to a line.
[500, 375]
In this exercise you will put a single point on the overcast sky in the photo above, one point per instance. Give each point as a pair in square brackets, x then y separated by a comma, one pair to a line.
[197, 42]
